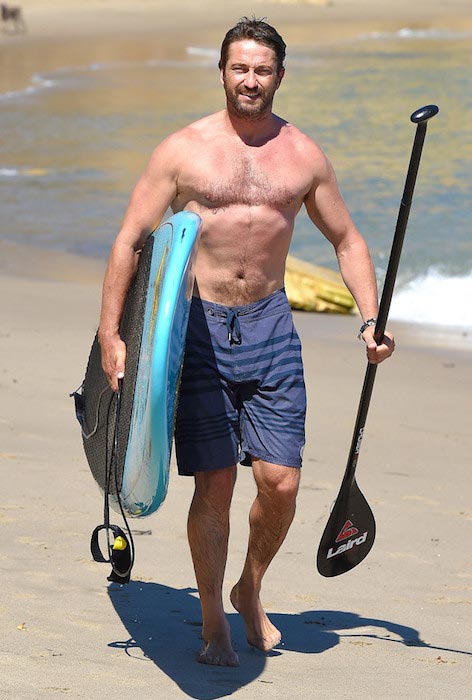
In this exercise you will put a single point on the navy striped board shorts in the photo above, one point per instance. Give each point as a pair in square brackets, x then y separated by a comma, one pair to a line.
[242, 393]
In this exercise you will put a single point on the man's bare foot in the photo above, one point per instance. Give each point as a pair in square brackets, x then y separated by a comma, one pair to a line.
[215, 655]
[217, 650]
[260, 631]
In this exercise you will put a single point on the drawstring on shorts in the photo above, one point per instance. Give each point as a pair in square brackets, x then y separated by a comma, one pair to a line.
[234, 329]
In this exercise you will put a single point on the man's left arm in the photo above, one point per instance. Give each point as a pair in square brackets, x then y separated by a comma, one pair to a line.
[328, 211]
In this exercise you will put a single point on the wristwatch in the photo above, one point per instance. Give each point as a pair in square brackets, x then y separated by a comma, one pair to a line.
[366, 324]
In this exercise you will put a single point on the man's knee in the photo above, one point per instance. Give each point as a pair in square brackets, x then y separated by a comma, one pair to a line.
[276, 482]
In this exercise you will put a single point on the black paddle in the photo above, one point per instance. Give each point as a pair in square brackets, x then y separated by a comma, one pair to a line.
[350, 531]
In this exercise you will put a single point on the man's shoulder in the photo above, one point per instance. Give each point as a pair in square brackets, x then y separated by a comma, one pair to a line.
[201, 130]
[184, 145]
[301, 140]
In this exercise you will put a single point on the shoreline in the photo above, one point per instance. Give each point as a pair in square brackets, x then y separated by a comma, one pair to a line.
[38, 266]
[64, 269]
[61, 31]
[73, 37]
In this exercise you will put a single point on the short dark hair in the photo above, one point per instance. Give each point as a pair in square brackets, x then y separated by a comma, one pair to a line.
[257, 30]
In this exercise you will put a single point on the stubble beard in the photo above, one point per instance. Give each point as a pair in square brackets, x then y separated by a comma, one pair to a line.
[248, 110]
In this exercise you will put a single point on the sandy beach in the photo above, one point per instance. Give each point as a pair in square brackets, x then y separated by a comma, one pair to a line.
[397, 626]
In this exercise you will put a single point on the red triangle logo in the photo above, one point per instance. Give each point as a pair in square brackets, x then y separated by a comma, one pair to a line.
[347, 530]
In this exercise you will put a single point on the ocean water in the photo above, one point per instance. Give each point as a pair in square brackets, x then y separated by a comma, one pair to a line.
[74, 141]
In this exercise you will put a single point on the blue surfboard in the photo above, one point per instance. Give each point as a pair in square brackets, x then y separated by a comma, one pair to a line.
[153, 326]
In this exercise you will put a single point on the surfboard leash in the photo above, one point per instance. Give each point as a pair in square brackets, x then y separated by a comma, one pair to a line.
[121, 550]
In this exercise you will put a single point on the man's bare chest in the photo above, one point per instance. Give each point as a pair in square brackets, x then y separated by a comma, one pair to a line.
[218, 181]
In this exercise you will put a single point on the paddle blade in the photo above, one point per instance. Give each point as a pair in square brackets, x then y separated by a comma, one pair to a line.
[349, 533]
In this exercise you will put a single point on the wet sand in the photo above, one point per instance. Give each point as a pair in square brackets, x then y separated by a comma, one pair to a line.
[397, 626]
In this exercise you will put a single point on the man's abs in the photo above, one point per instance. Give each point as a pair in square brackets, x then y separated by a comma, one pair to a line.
[242, 253]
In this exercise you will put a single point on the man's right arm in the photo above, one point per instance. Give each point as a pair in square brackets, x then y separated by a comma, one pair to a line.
[153, 194]
[327, 210]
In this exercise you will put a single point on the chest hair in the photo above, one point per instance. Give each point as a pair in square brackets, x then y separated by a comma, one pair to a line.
[245, 182]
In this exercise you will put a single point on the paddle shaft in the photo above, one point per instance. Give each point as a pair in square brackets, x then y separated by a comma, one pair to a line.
[420, 117]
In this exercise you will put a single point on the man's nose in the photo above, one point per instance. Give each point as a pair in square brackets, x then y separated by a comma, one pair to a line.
[250, 80]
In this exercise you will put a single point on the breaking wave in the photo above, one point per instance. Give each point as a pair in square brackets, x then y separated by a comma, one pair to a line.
[435, 299]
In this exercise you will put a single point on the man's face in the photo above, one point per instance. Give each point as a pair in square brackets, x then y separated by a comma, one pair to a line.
[250, 78]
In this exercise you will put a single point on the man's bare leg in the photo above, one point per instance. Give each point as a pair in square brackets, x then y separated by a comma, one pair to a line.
[208, 532]
[270, 518]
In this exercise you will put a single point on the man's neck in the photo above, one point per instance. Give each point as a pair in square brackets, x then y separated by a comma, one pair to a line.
[254, 132]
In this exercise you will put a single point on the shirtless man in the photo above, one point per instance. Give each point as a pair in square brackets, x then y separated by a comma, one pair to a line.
[246, 172]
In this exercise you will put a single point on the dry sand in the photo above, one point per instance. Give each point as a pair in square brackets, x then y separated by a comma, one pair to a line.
[398, 626]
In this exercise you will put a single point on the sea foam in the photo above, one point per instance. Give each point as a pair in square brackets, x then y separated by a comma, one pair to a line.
[427, 33]
[435, 299]
[38, 82]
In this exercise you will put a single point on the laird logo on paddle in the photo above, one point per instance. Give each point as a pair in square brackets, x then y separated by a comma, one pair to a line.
[347, 530]
[359, 440]
[347, 545]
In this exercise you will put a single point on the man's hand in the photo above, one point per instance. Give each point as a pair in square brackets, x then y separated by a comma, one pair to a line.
[378, 353]
[113, 359]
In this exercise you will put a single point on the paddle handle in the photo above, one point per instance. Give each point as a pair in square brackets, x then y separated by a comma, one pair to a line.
[420, 117]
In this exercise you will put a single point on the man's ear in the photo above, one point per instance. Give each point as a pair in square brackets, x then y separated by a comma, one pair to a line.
[280, 76]
[222, 76]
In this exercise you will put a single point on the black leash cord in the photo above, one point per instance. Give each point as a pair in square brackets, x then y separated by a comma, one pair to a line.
[119, 574]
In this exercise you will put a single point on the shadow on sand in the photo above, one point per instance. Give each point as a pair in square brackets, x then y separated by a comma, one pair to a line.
[164, 625]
